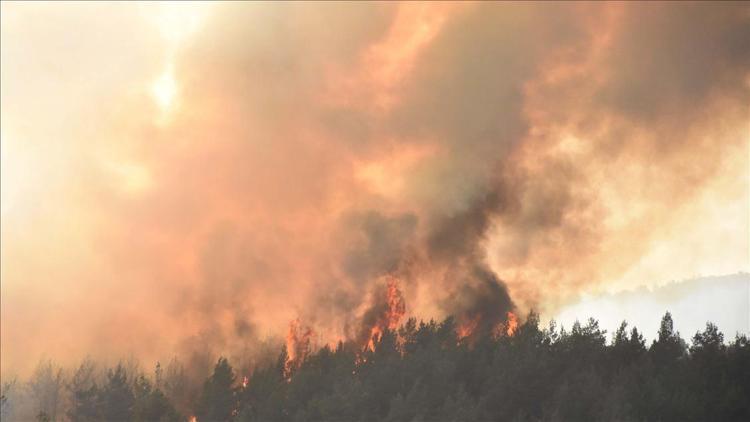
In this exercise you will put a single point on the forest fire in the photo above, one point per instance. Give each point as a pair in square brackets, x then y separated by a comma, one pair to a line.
[386, 313]
[270, 182]
[468, 329]
[298, 346]
[511, 325]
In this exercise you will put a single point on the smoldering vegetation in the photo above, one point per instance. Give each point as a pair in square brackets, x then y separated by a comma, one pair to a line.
[418, 372]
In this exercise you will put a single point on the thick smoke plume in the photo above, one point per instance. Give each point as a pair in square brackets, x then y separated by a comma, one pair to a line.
[190, 180]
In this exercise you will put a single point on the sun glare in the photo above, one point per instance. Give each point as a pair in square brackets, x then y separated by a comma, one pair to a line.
[164, 88]
[177, 20]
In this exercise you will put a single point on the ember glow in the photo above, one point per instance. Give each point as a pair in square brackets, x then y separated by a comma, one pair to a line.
[186, 179]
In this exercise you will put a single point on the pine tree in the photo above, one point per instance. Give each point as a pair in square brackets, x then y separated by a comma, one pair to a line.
[116, 397]
[83, 394]
[218, 402]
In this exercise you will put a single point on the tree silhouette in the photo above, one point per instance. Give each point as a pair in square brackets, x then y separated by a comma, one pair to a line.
[151, 404]
[423, 372]
[668, 346]
[218, 400]
[46, 387]
[83, 393]
[116, 397]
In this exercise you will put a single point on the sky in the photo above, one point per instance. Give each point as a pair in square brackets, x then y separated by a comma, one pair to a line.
[722, 300]
[182, 176]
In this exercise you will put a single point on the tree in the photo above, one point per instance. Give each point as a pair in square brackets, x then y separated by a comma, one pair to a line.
[116, 398]
[710, 341]
[175, 384]
[408, 335]
[218, 401]
[423, 372]
[709, 372]
[734, 400]
[627, 348]
[584, 345]
[45, 386]
[83, 394]
[151, 405]
[264, 397]
[668, 346]
[6, 407]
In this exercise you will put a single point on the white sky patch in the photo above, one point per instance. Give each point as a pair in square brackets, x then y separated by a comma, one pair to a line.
[723, 300]
[710, 236]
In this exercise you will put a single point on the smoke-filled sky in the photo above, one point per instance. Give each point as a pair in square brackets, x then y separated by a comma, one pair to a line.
[199, 175]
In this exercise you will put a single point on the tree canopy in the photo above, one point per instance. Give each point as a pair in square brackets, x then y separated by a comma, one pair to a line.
[423, 371]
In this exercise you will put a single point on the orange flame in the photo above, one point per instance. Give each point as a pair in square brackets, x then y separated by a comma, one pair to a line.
[512, 325]
[467, 328]
[395, 310]
[245, 381]
[396, 304]
[297, 346]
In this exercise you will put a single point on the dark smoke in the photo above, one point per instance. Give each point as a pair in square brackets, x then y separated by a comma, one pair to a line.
[482, 301]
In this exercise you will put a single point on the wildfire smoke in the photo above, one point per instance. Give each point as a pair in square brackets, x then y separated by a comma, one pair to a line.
[253, 166]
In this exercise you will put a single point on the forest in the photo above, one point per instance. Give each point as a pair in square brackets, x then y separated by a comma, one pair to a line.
[423, 371]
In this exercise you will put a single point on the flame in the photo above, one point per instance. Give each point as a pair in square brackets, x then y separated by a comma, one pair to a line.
[297, 346]
[467, 328]
[192, 419]
[245, 381]
[396, 304]
[395, 309]
[512, 325]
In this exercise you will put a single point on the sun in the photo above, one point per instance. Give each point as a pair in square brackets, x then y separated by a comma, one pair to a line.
[164, 89]
[175, 21]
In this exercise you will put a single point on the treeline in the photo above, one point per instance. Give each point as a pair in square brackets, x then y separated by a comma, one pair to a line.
[423, 372]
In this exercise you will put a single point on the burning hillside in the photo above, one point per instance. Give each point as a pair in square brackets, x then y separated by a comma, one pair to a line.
[182, 181]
